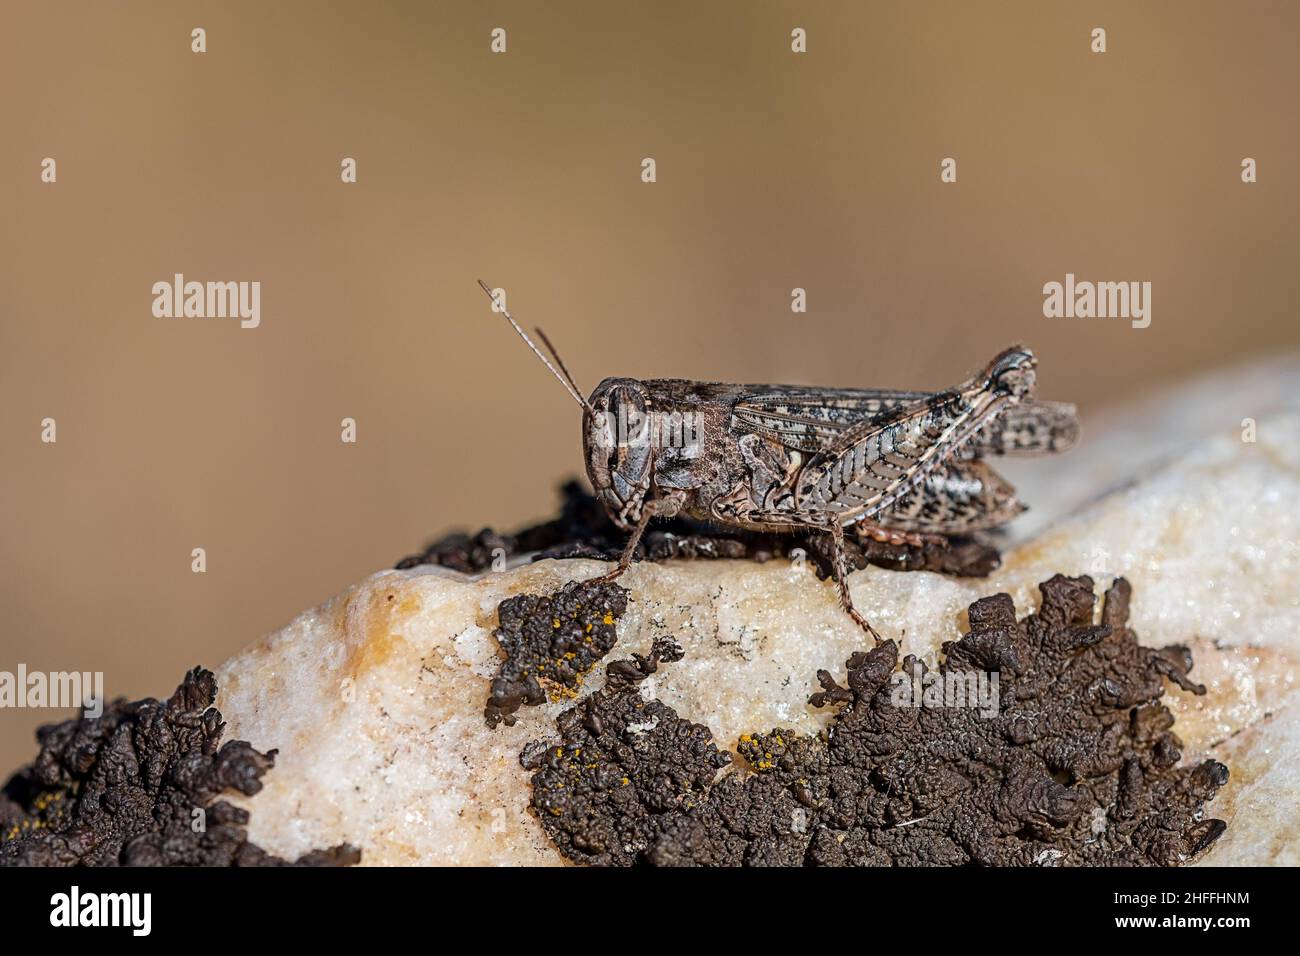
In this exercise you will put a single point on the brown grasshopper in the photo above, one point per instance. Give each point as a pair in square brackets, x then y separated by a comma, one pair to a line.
[902, 467]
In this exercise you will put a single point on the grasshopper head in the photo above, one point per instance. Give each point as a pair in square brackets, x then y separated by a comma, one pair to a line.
[1012, 373]
[618, 447]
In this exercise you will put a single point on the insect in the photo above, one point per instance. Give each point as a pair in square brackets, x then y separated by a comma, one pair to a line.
[901, 467]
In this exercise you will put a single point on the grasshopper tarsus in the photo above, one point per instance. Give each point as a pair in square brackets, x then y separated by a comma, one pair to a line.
[866, 626]
[846, 602]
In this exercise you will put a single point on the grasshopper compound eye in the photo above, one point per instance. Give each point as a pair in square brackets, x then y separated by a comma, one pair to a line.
[618, 462]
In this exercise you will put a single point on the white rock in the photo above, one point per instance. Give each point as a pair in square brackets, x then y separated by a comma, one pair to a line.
[375, 699]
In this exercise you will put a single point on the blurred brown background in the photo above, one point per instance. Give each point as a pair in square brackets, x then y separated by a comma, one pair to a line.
[775, 170]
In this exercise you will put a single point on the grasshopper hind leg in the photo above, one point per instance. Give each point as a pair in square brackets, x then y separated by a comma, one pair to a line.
[840, 567]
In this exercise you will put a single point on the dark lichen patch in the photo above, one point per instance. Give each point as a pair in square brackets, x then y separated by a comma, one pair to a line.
[1078, 767]
[546, 656]
[124, 788]
[550, 642]
[583, 530]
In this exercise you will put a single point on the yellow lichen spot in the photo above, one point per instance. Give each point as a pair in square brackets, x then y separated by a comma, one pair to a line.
[626, 781]
[555, 623]
[559, 692]
[609, 618]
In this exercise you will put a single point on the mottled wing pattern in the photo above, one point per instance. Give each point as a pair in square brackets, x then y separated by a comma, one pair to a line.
[811, 421]
[956, 498]
[1031, 428]
[874, 463]
[894, 473]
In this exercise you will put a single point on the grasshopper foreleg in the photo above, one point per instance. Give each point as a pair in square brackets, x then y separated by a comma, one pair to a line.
[666, 507]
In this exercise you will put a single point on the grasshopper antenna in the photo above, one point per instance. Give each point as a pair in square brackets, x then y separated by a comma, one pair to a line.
[566, 379]
[556, 355]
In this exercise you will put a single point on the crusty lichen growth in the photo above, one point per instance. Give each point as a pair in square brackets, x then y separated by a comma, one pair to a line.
[1078, 766]
[546, 658]
[139, 786]
[550, 643]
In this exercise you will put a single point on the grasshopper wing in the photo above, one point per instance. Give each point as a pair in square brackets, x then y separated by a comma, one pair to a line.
[810, 420]
[875, 462]
[1031, 428]
[957, 497]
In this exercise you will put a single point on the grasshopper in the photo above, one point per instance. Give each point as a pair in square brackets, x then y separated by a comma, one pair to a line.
[894, 466]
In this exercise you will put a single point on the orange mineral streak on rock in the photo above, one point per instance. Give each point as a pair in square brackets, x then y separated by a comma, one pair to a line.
[374, 619]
